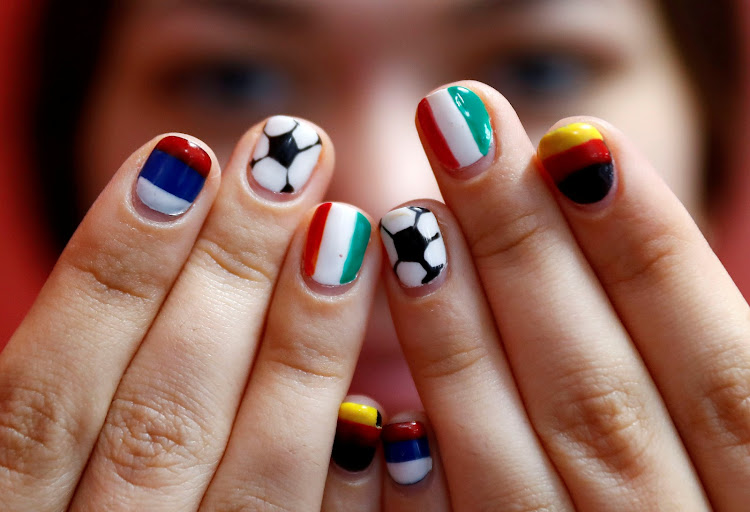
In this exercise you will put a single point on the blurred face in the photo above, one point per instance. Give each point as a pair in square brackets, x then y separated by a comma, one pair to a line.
[358, 68]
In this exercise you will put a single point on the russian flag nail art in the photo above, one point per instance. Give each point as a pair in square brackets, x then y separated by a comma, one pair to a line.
[357, 435]
[173, 175]
[407, 452]
[456, 125]
[579, 162]
[336, 244]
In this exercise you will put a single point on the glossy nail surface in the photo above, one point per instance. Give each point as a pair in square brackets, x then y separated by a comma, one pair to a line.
[285, 155]
[173, 175]
[579, 162]
[357, 435]
[414, 244]
[407, 452]
[456, 125]
[336, 244]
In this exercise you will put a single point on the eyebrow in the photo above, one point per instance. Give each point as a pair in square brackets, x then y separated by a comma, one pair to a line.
[262, 11]
[482, 8]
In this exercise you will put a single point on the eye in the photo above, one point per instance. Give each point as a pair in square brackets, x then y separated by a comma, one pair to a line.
[230, 86]
[542, 76]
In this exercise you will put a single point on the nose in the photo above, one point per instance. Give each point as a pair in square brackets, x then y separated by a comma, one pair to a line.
[379, 159]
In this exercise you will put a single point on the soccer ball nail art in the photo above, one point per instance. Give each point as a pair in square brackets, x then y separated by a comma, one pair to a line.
[285, 155]
[415, 246]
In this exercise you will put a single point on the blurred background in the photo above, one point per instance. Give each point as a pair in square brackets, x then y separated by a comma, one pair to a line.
[28, 253]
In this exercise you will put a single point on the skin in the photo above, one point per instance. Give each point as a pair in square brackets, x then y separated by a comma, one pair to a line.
[626, 72]
[189, 364]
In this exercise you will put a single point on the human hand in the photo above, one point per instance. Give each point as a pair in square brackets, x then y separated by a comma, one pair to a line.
[129, 385]
[569, 356]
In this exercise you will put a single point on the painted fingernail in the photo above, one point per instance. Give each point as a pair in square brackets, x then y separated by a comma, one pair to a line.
[407, 452]
[357, 435]
[456, 125]
[414, 244]
[173, 175]
[579, 162]
[285, 155]
[336, 244]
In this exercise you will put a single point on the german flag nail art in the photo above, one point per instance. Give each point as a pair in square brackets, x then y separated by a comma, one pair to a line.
[579, 162]
[357, 435]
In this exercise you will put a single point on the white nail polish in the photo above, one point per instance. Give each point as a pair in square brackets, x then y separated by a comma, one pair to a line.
[415, 246]
[285, 155]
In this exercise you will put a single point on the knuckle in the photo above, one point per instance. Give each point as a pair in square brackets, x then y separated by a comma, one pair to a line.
[650, 262]
[307, 361]
[723, 411]
[143, 438]
[603, 419]
[453, 358]
[511, 237]
[36, 429]
[112, 270]
[249, 501]
[250, 262]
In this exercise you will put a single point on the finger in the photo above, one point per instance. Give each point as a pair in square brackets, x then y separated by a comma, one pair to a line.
[587, 392]
[60, 370]
[355, 474]
[172, 414]
[685, 314]
[416, 479]
[280, 447]
[492, 457]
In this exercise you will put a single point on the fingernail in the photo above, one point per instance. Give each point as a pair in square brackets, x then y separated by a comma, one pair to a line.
[336, 244]
[357, 435]
[414, 244]
[173, 175]
[456, 125]
[285, 155]
[579, 162]
[407, 452]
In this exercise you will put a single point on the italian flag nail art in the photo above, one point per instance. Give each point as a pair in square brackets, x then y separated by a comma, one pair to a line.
[456, 125]
[336, 244]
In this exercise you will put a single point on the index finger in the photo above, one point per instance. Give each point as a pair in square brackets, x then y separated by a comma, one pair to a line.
[61, 367]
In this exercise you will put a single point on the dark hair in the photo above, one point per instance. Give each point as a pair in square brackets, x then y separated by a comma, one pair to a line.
[707, 35]
[70, 43]
[73, 37]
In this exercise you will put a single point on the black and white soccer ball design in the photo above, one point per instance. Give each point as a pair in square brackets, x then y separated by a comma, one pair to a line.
[412, 238]
[285, 155]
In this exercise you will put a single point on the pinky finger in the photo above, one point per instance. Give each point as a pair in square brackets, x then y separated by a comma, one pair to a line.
[355, 475]
[416, 480]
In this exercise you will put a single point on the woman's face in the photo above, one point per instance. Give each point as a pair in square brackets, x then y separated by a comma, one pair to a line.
[358, 68]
